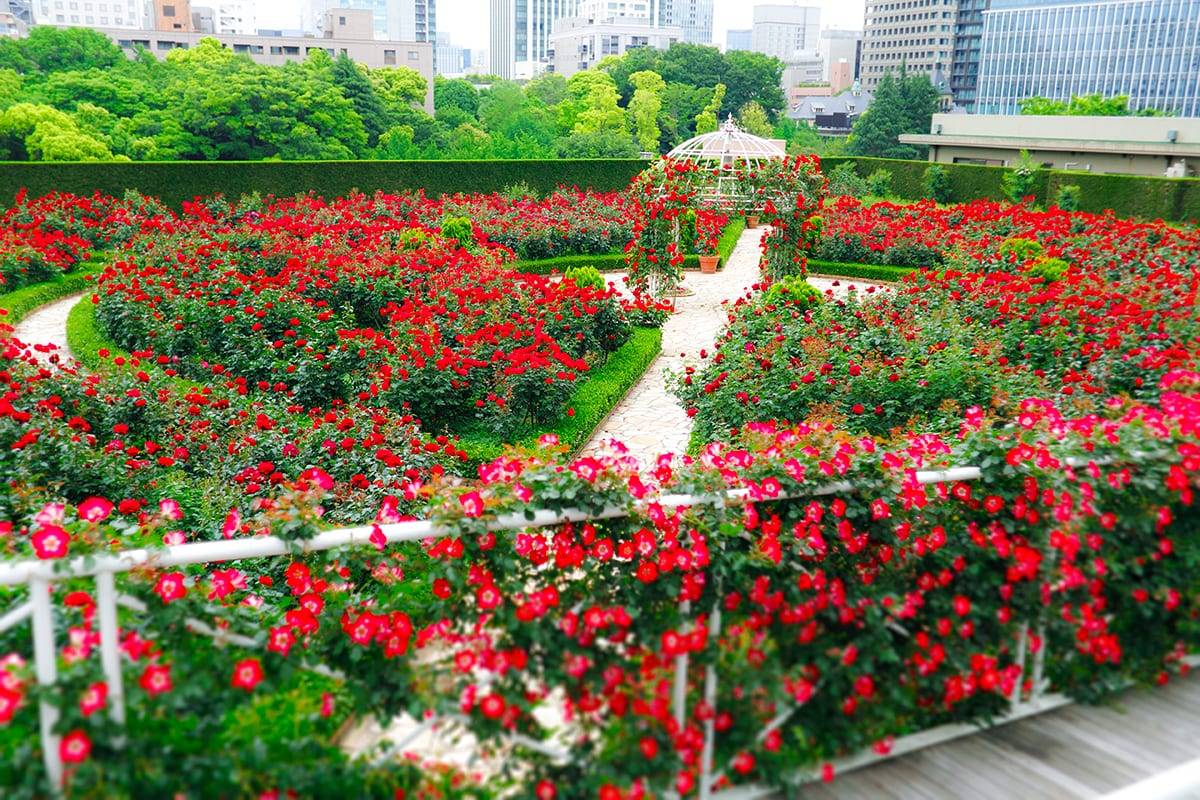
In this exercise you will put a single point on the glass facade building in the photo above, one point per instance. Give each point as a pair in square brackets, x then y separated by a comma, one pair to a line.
[964, 68]
[1147, 49]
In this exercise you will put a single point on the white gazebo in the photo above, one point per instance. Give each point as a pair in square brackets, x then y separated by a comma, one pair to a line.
[723, 151]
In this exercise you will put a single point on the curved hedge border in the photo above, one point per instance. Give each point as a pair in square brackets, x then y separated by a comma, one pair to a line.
[20, 302]
[615, 262]
[870, 272]
[593, 399]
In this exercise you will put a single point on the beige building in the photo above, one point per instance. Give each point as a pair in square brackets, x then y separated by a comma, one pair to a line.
[173, 15]
[1116, 145]
[916, 33]
[348, 32]
[578, 43]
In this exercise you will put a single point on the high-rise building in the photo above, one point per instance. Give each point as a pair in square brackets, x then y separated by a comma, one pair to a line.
[450, 58]
[841, 47]
[395, 20]
[113, 14]
[695, 17]
[737, 39]
[785, 31]
[520, 34]
[579, 43]
[20, 10]
[1146, 49]
[915, 34]
[964, 65]
[234, 16]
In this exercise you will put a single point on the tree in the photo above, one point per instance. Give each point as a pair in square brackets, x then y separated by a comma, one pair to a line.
[356, 87]
[751, 76]
[1086, 105]
[800, 138]
[397, 143]
[681, 104]
[598, 144]
[644, 107]
[594, 103]
[549, 89]
[110, 89]
[876, 133]
[753, 120]
[399, 86]
[1042, 106]
[1022, 180]
[10, 86]
[52, 49]
[706, 120]
[919, 99]
[455, 93]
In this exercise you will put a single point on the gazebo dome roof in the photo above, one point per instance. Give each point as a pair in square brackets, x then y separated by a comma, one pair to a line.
[727, 146]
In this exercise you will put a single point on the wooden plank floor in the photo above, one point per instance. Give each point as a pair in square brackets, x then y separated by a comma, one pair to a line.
[1073, 752]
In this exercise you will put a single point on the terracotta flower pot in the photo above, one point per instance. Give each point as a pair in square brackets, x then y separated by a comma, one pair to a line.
[708, 264]
[752, 221]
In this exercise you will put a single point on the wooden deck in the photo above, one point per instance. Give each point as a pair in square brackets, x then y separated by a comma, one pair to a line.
[1073, 752]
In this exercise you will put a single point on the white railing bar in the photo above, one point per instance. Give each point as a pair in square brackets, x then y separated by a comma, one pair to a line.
[15, 616]
[20, 572]
[552, 753]
[679, 688]
[110, 645]
[1022, 647]
[1177, 783]
[1039, 661]
[45, 655]
[710, 697]
[398, 747]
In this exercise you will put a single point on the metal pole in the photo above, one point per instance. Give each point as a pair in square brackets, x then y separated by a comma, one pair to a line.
[110, 645]
[45, 655]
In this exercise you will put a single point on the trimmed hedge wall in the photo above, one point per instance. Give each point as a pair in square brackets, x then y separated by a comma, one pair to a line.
[1176, 199]
[868, 272]
[176, 181]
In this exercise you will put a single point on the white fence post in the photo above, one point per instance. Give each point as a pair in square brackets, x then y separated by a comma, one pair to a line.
[45, 654]
[110, 645]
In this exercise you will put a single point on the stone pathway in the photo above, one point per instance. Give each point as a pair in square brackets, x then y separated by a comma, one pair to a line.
[650, 421]
[45, 330]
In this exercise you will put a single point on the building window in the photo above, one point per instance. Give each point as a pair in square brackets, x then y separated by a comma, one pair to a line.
[389, 56]
[413, 55]
[276, 50]
[341, 20]
[168, 11]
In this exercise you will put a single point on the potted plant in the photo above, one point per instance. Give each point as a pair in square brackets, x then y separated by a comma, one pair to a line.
[752, 220]
[706, 249]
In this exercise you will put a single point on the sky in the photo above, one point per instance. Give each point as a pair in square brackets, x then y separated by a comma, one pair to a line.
[467, 20]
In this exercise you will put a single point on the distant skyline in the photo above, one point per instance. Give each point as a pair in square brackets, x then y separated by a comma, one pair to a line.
[467, 20]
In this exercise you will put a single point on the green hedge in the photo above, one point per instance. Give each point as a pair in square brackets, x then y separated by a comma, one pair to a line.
[20, 302]
[867, 272]
[1176, 199]
[592, 400]
[177, 181]
[615, 262]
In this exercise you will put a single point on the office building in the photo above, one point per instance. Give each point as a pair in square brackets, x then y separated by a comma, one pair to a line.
[450, 59]
[1167, 146]
[915, 34]
[395, 20]
[203, 20]
[279, 50]
[737, 39]
[964, 63]
[841, 47]
[520, 34]
[173, 15]
[694, 17]
[785, 31]
[579, 43]
[20, 11]
[234, 17]
[113, 14]
[1146, 49]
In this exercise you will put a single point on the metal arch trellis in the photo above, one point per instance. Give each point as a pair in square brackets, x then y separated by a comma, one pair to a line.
[723, 157]
[38, 577]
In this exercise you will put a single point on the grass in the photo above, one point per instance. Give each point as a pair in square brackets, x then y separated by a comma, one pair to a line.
[870, 272]
[592, 400]
[615, 262]
[20, 302]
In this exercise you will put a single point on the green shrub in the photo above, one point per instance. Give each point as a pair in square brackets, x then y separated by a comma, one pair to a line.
[793, 289]
[1068, 196]
[519, 191]
[879, 183]
[844, 179]
[1022, 180]
[937, 184]
[459, 229]
[584, 277]
[687, 232]
[1020, 250]
[1048, 269]
[867, 272]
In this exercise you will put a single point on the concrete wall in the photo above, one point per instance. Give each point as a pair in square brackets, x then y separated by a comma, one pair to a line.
[1118, 163]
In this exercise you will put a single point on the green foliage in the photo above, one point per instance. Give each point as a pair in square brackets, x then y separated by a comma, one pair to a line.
[398, 86]
[49, 49]
[753, 119]
[844, 180]
[867, 272]
[793, 289]
[706, 120]
[600, 390]
[1022, 180]
[879, 183]
[356, 87]
[644, 107]
[1020, 250]
[18, 303]
[937, 184]
[459, 229]
[584, 277]
[1048, 269]
[1087, 105]
[598, 144]
[455, 93]
[902, 104]
[1068, 197]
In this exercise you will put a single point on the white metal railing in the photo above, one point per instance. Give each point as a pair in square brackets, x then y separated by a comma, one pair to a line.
[39, 575]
